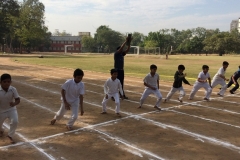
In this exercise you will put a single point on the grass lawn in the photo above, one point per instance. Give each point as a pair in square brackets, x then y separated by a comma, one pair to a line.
[137, 66]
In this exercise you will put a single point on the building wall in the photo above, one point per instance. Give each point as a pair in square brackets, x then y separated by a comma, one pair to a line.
[58, 44]
[235, 24]
[239, 25]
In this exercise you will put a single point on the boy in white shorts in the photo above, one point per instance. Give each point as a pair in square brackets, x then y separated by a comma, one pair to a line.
[112, 87]
[9, 98]
[151, 83]
[203, 78]
[179, 77]
[72, 98]
[219, 78]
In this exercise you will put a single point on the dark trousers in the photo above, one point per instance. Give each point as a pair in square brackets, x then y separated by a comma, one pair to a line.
[231, 82]
[121, 78]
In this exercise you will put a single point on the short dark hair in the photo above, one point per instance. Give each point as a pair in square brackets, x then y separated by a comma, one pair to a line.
[78, 72]
[113, 71]
[5, 76]
[205, 67]
[225, 63]
[181, 67]
[153, 66]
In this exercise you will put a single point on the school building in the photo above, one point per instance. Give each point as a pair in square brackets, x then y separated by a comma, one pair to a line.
[58, 44]
[235, 24]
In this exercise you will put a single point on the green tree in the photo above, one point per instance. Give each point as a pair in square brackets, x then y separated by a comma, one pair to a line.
[9, 9]
[138, 39]
[89, 43]
[105, 36]
[31, 29]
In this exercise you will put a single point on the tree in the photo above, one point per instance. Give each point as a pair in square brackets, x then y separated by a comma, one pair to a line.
[9, 9]
[138, 39]
[89, 43]
[105, 36]
[31, 29]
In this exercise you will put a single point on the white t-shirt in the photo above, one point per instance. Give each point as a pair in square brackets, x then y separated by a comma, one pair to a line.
[73, 90]
[220, 72]
[111, 87]
[203, 76]
[152, 81]
[6, 98]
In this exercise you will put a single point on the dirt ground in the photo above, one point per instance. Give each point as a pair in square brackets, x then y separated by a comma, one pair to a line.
[191, 130]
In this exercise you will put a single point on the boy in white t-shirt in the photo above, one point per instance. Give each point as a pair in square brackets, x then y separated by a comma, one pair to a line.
[219, 78]
[72, 98]
[151, 83]
[112, 87]
[9, 98]
[203, 78]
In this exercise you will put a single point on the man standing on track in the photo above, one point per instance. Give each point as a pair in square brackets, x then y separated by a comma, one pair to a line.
[119, 62]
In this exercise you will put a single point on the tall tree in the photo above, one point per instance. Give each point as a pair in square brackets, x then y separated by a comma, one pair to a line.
[8, 10]
[31, 29]
[106, 38]
[138, 39]
[89, 43]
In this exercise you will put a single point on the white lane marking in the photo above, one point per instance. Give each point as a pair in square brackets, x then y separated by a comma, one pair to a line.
[32, 144]
[88, 127]
[178, 129]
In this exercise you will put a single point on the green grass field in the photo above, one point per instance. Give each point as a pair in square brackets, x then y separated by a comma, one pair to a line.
[137, 66]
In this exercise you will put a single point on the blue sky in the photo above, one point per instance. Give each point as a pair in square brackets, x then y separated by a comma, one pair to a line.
[139, 15]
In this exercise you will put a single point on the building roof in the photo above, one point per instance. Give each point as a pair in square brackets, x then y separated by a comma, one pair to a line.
[65, 38]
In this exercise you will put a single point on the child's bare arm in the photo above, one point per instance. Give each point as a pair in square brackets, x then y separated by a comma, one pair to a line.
[233, 79]
[17, 101]
[81, 104]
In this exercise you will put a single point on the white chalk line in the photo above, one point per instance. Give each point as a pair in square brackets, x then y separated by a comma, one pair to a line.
[125, 83]
[133, 91]
[32, 144]
[57, 72]
[129, 85]
[193, 103]
[87, 127]
[180, 130]
[127, 80]
[207, 119]
[185, 103]
[195, 135]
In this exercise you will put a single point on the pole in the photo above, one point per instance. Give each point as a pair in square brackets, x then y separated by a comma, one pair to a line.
[3, 45]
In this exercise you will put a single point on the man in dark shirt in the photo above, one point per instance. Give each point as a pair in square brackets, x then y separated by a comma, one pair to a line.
[179, 77]
[119, 62]
[234, 80]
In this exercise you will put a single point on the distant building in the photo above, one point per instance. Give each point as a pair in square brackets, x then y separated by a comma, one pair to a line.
[81, 34]
[58, 44]
[235, 24]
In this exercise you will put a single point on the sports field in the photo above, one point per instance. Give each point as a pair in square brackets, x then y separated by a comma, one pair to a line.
[192, 130]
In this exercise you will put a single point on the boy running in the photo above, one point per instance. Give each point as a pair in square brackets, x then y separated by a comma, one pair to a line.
[219, 78]
[72, 98]
[234, 80]
[201, 82]
[9, 98]
[179, 77]
[112, 87]
[151, 83]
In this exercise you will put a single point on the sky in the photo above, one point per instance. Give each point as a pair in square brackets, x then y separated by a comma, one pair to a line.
[142, 16]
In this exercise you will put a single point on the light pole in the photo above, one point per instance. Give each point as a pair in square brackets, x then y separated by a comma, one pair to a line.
[3, 45]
